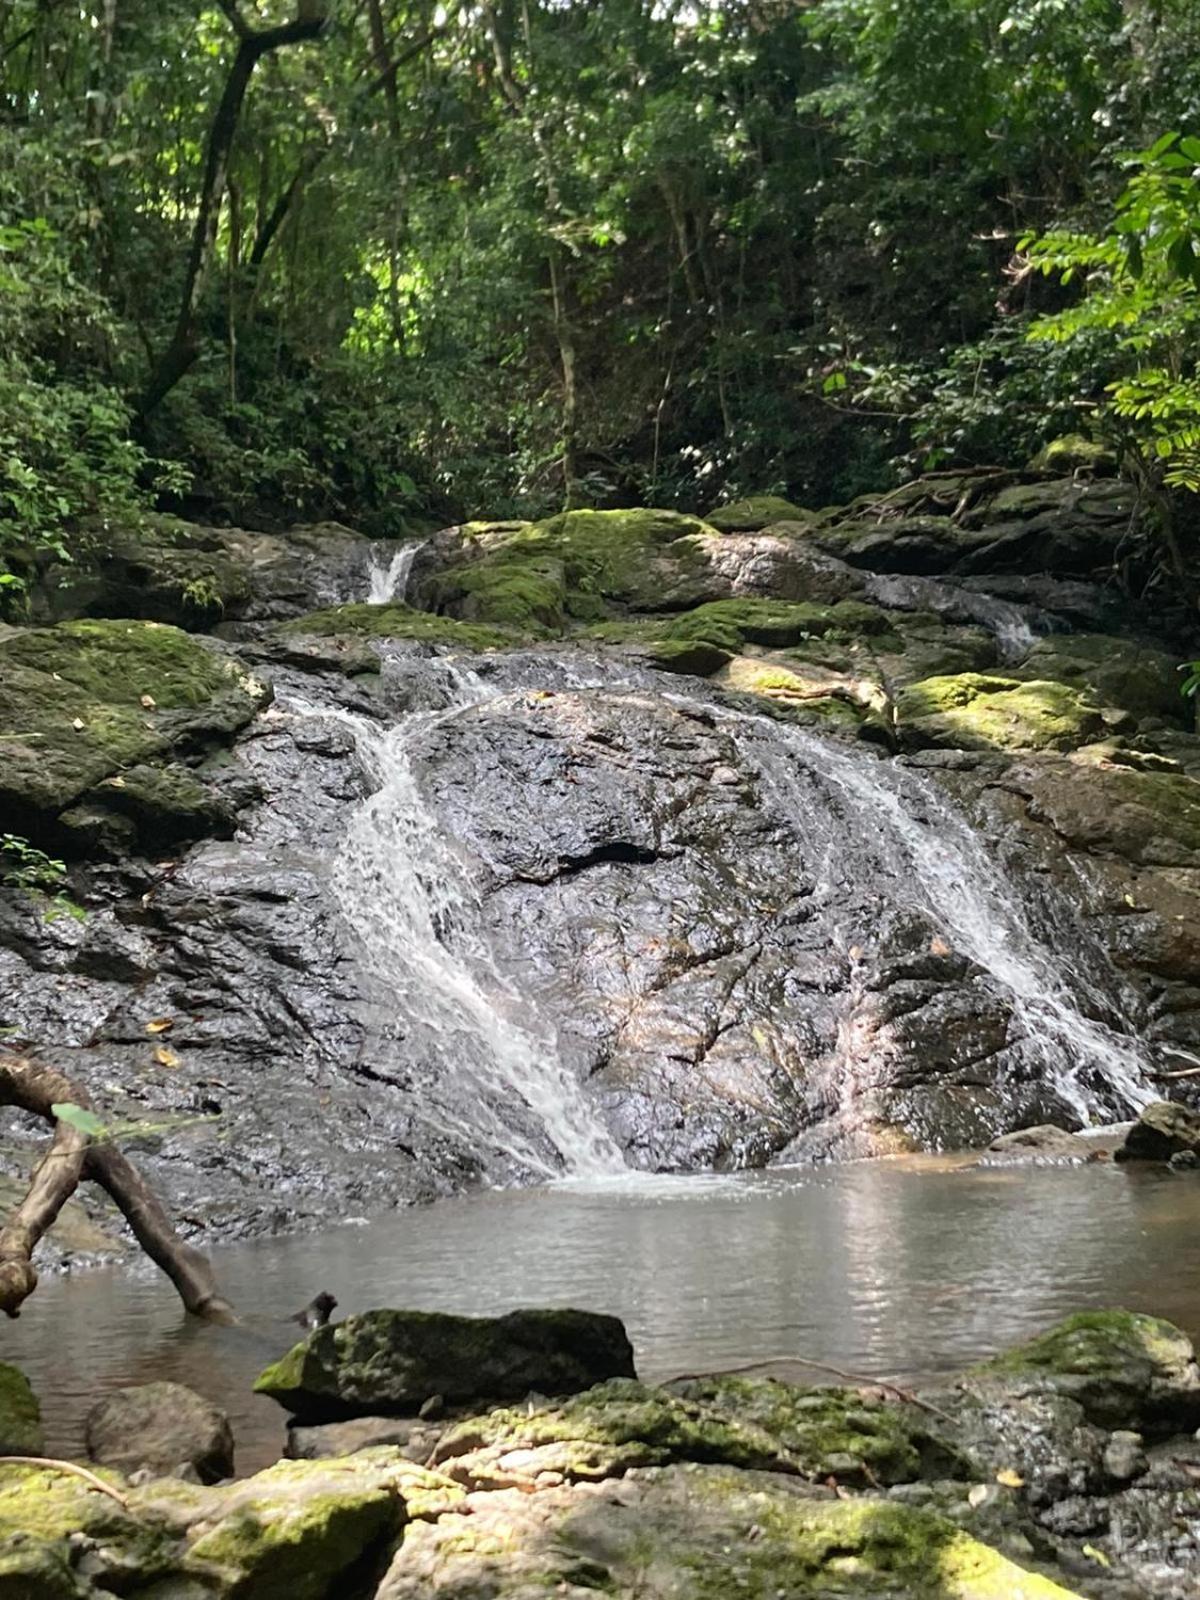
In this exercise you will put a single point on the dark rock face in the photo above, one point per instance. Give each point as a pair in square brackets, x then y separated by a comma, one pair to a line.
[393, 1362]
[161, 1428]
[900, 874]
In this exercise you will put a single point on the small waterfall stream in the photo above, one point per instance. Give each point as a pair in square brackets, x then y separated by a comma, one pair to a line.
[388, 574]
[487, 1073]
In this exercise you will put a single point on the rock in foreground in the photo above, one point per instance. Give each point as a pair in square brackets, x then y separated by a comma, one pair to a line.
[1163, 1130]
[391, 1362]
[161, 1428]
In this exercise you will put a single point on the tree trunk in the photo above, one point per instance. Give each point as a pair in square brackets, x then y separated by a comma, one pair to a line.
[183, 348]
[74, 1155]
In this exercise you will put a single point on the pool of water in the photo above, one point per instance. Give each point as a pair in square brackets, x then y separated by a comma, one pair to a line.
[894, 1269]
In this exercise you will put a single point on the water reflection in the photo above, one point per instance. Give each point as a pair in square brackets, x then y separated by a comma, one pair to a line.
[890, 1269]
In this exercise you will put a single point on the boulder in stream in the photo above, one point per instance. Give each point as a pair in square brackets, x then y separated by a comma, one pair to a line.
[1163, 1130]
[162, 1428]
[390, 1362]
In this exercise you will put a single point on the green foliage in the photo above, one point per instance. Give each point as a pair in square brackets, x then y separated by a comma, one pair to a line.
[31, 872]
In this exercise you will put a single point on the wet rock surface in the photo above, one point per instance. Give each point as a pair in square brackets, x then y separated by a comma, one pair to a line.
[729, 907]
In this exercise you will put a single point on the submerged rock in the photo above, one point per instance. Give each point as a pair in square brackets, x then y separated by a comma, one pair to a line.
[160, 1427]
[1162, 1132]
[391, 1362]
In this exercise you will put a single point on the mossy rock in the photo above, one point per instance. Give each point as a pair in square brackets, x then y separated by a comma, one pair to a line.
[167, 804]
[357, 621]
[1124, 1368]
[513, 589]
[808, 696]
[701, 1533]
[20, 1414]
[603, 1433]
[646, 560]
[976, 711]
[1112, 672]
[732, 624]
[85, 700]
[388, 1363]
[833, 1432]
[752, 515]
[1075, 452]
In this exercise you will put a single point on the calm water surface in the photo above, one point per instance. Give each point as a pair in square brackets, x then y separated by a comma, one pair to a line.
[888, 1269]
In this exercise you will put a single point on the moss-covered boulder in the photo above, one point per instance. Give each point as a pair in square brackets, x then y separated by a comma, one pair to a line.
[603, 1433]
[1075, 452]
[385, 1363]
[87, 701]
[20, 1415]
[700, 1533]
[977, 711]
[395, 621]
[1123, 1368]
[753, 514]
[298, 1531]
[517, 588]
[1111, 672]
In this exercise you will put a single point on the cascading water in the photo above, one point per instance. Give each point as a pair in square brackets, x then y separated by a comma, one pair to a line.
[387, 580]
[488, 1075]
[949, 873]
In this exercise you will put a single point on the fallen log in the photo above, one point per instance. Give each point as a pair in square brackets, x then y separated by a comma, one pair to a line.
[73, 1156]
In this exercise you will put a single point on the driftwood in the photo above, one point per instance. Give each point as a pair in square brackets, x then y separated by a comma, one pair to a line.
[72, 1157]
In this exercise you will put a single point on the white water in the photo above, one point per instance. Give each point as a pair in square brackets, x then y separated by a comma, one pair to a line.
[979, 913]
[488, 1075]
[388, 580]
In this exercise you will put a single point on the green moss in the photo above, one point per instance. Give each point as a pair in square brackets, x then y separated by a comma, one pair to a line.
[1121, 1366]
[646, 559]
[757, 512]
[1073, 452]
[20, 1415]
[1111, 672]
[513, 589]
[803, 693]
[397, 622]
[833, 1432]
[84, 700]
[974, 711]
[731, 624]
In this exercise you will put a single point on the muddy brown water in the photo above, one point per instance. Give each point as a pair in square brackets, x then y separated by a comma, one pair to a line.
[894, 1269]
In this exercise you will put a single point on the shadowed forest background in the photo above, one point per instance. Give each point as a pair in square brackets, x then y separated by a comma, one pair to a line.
[395, 263]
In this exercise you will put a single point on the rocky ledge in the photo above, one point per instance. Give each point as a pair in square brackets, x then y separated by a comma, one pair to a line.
[1067, 1466]
[710, 790]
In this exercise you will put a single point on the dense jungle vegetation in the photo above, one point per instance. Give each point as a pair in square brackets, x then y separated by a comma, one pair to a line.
[384, 261]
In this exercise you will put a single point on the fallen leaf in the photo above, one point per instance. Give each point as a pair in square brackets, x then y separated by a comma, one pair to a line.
[1010, 1479]
[855, 952]
[149, 702]
[938, 947]
[160, 1024]
[978, 1494]
[1093, 1554]
[78, 724]
[166, 1057]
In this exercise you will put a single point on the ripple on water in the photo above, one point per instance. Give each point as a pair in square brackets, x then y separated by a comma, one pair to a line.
[888, 1269]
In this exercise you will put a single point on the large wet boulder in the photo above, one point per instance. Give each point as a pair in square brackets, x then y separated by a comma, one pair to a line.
[160, 1428]
[694, 1532]
[1162, 1131]
[980, 711]
[755, 513]
[1122, 1368]
[20, 1414]
[393, 1362]
[91, 710]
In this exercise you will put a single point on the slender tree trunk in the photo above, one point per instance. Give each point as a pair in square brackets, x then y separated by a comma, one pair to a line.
[183, 348]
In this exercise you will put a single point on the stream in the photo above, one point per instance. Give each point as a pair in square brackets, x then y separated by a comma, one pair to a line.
[904, 1268]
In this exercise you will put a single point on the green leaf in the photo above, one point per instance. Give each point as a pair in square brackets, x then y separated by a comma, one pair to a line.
[79, 1117]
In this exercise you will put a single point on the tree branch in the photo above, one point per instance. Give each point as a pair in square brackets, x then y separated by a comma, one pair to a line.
[36, 1087]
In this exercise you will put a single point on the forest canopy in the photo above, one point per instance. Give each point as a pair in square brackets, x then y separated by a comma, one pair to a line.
[390, 261]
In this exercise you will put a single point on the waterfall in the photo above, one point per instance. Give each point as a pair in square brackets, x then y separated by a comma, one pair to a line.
[978, 909]
[486, 1074]
[387, 579]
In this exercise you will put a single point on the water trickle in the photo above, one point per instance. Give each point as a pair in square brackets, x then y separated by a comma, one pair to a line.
[389, 572]
[978, 907]
[490, 1077]
[1009, 623]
